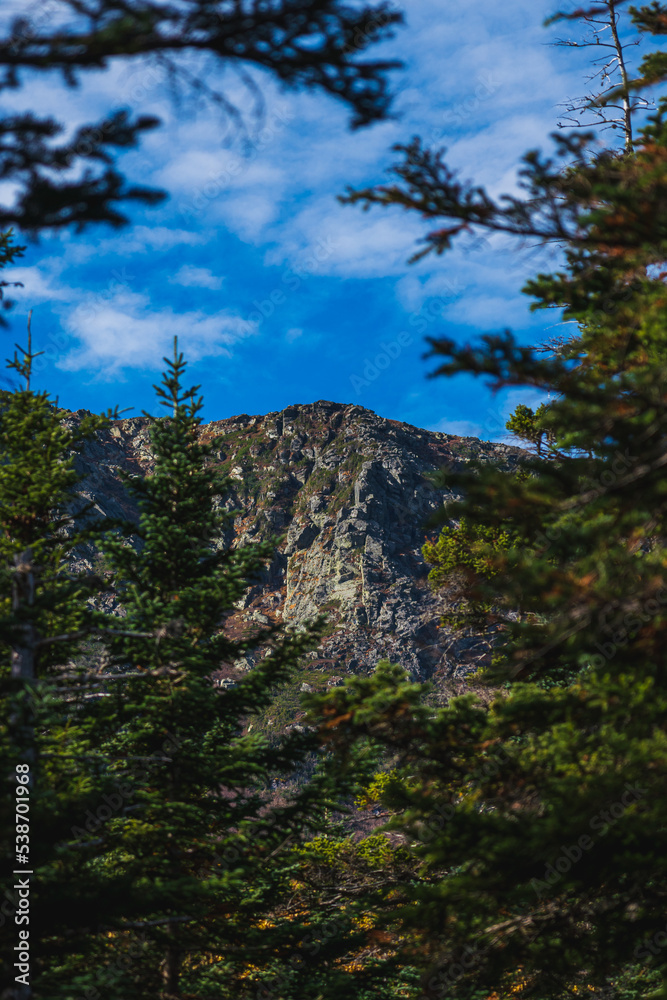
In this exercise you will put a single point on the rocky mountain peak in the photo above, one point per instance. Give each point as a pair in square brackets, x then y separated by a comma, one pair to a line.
[349, 494]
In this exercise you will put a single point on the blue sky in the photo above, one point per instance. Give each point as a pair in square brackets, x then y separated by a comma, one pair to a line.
[278, 293]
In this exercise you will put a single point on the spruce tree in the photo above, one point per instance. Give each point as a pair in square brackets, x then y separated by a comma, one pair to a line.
[48, 691]
[202, 847]
[546, 808]
[161, 861]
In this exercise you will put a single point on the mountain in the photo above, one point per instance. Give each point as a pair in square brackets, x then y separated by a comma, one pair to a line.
[349, 494]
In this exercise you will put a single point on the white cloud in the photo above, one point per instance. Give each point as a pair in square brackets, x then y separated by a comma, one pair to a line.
[125, 333]
[163, 238]
[134, 240]
[293, 334]
[141, 239]
[249, 214]
[491, 312]
[196, 277]
[344, 242]
[38, 285]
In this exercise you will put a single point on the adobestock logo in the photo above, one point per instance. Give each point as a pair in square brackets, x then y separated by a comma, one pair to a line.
[373, 367]
[632, 624]
[600, 824]
[292, 279]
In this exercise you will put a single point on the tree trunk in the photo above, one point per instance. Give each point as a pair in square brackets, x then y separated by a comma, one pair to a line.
[627, 108]
[24, 652]
[171, 966]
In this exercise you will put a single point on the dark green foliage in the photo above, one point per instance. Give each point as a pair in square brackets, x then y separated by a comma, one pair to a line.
[48, 714]
[37, 479]
[531, 425]
[200, 851]
[162, 827]
[546, 807]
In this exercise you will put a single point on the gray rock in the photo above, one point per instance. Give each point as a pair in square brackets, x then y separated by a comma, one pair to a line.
[350, 491]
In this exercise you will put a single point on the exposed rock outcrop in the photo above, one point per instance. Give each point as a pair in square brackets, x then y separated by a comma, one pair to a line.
[349, 493]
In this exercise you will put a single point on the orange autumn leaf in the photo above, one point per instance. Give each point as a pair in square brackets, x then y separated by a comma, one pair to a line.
[338, 719]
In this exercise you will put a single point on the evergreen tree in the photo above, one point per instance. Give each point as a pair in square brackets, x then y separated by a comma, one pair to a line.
[163, 862]
[48, 717]
[546, 808]
[464, 562]
[201, 849]
[531, 425]
[9, 252]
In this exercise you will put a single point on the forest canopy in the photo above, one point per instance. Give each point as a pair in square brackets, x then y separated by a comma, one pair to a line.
[177, 849]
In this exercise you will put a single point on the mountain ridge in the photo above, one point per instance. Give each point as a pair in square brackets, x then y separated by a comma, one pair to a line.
[349, 494]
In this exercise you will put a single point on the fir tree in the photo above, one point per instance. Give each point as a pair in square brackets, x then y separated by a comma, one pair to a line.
[49, 726]
[202, 848]
[547, 807]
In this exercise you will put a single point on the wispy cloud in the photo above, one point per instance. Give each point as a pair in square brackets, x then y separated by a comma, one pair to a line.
[196, 277]
[126, 334]
[263, 220]
[40, 284]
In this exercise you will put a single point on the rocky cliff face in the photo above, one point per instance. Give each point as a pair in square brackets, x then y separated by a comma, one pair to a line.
[349, 493]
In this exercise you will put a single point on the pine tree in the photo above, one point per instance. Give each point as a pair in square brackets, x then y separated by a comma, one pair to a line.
[531, 425]
[463, 560]
[202, 847]
[547, 807]
[47, 693]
